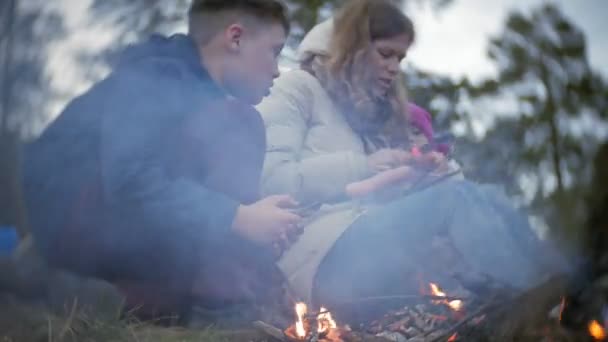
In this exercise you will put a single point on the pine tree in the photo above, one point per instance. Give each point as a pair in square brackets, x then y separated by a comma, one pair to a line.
[27, 30]
[562, 105]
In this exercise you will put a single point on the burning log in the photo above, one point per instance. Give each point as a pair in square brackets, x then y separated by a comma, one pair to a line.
[451, 332]
[455, 304]
[438, 318]
[414, 299]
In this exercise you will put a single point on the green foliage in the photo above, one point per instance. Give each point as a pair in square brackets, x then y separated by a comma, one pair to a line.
[137, 18]
[28, 28]
[542, 60]
[545, 80]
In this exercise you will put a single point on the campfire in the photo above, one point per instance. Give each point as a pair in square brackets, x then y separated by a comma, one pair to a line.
[422, 321]
[312, 327]
[454, 313]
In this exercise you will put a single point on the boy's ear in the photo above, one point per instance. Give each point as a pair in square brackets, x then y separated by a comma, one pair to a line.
[233, 35]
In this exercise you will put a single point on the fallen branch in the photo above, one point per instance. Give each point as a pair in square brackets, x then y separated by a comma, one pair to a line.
[270, 330]
[396, 297]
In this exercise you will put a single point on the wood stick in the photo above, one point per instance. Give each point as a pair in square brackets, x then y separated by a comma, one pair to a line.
[446, 334]
[384, 298]
[314, 336]
[396, 297]
[270, 330]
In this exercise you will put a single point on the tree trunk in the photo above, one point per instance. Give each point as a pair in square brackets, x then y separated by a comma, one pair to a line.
[12, 211]
[550, 111]
[555, 157]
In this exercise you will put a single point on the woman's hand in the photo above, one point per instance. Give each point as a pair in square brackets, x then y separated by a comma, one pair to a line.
[386, 159]
[379, 181]
[439, 161]
[428, 162]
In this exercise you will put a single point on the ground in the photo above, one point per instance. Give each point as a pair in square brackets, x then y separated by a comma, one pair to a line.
[25, 321]
[42, 304]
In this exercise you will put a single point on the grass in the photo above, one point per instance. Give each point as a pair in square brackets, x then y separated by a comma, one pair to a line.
[22, 321]
[45, 317]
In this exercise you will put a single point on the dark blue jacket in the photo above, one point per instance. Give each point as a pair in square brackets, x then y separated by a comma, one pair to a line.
[144, 172]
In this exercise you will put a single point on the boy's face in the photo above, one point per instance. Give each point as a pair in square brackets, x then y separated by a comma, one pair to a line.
[253, 63]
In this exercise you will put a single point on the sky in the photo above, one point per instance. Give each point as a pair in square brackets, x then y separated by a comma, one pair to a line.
[454, 41]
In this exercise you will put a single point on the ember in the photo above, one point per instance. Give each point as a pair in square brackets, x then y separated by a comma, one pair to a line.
[597, 331]
[437, 315]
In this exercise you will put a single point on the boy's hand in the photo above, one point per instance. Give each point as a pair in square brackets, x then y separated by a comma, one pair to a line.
[267, 222]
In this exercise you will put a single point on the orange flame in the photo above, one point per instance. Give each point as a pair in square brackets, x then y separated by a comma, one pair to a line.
[300, 312]
[596, 330]
[453, 337]
[455, 305]
[436, 291]
[325, 321]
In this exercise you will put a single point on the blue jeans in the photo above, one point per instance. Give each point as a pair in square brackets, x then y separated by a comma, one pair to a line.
[384, 251]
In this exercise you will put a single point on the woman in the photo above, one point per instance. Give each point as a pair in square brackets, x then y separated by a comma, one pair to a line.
[337, 123]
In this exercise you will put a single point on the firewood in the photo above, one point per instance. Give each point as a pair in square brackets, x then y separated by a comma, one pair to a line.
[270, 330]
[481, 310]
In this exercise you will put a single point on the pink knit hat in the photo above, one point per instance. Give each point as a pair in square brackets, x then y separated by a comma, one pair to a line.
[421, 119]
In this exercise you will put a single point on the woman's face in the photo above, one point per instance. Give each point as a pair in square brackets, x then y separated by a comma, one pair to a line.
[386, 57]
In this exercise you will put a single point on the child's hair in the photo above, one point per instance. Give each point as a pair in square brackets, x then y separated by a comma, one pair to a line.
[344, 73]
[207, 17]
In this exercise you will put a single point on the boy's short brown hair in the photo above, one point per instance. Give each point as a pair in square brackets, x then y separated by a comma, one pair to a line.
[203, 14]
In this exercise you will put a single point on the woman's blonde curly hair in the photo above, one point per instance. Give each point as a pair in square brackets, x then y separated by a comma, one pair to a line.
[345, 75]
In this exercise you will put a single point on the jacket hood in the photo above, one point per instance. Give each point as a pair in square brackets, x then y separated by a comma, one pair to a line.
[179, 47]
[316, 41]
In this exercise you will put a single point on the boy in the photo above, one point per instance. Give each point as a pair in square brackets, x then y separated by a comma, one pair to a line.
[150, 179]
